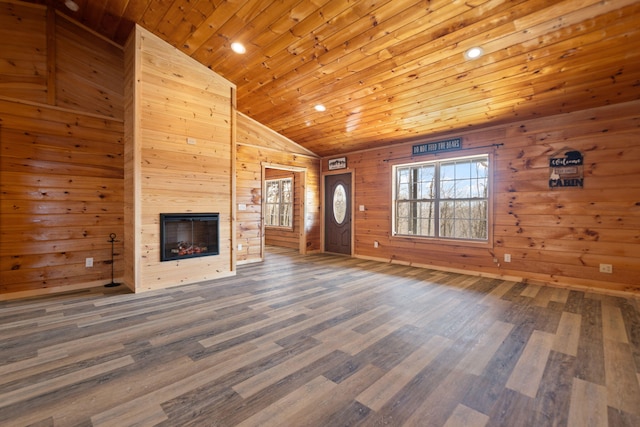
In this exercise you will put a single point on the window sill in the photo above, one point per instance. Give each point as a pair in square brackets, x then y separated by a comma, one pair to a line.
[278, 228]
[440, 241]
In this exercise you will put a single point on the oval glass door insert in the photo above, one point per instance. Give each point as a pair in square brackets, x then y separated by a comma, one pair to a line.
[339, 203]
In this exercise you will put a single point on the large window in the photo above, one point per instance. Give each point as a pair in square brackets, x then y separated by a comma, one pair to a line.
[279, 203]
[444, 199]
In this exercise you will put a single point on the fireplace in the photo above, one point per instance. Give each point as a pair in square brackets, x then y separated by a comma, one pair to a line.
[188, 235]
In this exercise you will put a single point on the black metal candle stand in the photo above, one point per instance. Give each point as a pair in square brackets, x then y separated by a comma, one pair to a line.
[113, 240]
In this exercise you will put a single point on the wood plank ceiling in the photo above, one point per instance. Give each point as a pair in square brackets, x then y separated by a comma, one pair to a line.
[395, 70]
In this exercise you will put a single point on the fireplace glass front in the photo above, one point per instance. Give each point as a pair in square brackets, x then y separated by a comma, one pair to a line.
[188, 235]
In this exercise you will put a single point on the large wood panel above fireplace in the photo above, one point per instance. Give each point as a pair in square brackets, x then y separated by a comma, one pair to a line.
[179, 158]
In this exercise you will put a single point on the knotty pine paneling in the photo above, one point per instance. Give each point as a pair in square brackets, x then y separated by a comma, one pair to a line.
[61, 178]
[58, 62]
[170, 98]
[556, 236]
[258, 146]
[89, 71]
[23, 51]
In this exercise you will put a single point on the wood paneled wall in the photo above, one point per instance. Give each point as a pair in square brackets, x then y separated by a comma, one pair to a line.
[61, 174]
[45, 58]
[280, 236]
[554, 236]
[23, 51]
[62, 195]
[83, 66]
[180, 159]
[259, 147]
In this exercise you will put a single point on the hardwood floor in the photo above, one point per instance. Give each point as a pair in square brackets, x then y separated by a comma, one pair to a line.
[323, 340]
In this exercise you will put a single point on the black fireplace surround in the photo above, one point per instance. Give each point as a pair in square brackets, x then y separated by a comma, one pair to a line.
[188, 235]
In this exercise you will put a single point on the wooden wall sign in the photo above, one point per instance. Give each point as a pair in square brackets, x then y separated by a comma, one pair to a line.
[566, 168]
[340, 163]
[434, 147]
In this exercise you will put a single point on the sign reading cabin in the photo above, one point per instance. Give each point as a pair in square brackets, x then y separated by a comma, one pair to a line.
[566, 168]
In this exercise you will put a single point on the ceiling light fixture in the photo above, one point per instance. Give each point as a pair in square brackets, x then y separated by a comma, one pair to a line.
[71, 5]
[474, 53]
[238, 47]
[320, 108]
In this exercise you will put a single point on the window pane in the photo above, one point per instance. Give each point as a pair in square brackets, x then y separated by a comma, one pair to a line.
[447, 171]
[427, 219]
[478, 188]
[426, 184]
[481, 168]
[403, 191]
[462, 209]
[447, 189]
[463, 189]
[402, 217]
[273, 192]
[463, 170]
[279, 202]
[452, 194]
[286, 191]
[271, 214]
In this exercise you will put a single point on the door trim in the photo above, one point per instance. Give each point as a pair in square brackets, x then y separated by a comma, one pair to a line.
[324, 203]
[302, 240]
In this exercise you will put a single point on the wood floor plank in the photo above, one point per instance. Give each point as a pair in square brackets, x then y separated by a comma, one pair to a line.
[275, 317]
[588, 405]
[376, 396]
[623, 390]
[613, 324]
[559, 295]
[531, 291]
[28, 392]
[132, 412]
[47, 361]
[440, 404]
[590, 362]
[322, 340]
[336, 407]
[271, 376]
[551, 406]
[497, 293]
[543, 297]
[284, 410]
[464, 416]
[528, 372]
[481, 353]
[364, 341]
[511, 409]
[314, 317]
[568, 334]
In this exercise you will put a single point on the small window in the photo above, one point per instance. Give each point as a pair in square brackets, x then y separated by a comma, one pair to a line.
[444, 199]
[279, 203]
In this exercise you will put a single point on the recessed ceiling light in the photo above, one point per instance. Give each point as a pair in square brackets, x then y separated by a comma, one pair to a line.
[238, 48]
[474, 53]
[320, 107]
[71, 5]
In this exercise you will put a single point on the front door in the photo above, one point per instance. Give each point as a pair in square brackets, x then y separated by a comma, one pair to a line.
[337, 213]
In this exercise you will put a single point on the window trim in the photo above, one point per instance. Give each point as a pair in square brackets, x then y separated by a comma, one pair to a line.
[452, 241]
[292, 204]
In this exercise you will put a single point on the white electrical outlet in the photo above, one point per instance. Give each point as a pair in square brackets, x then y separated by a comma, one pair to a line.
[362, 208]
[507, 257]
[606, 268]
[88, 262]
[375, 244]
[191, 141]
[239, 246]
